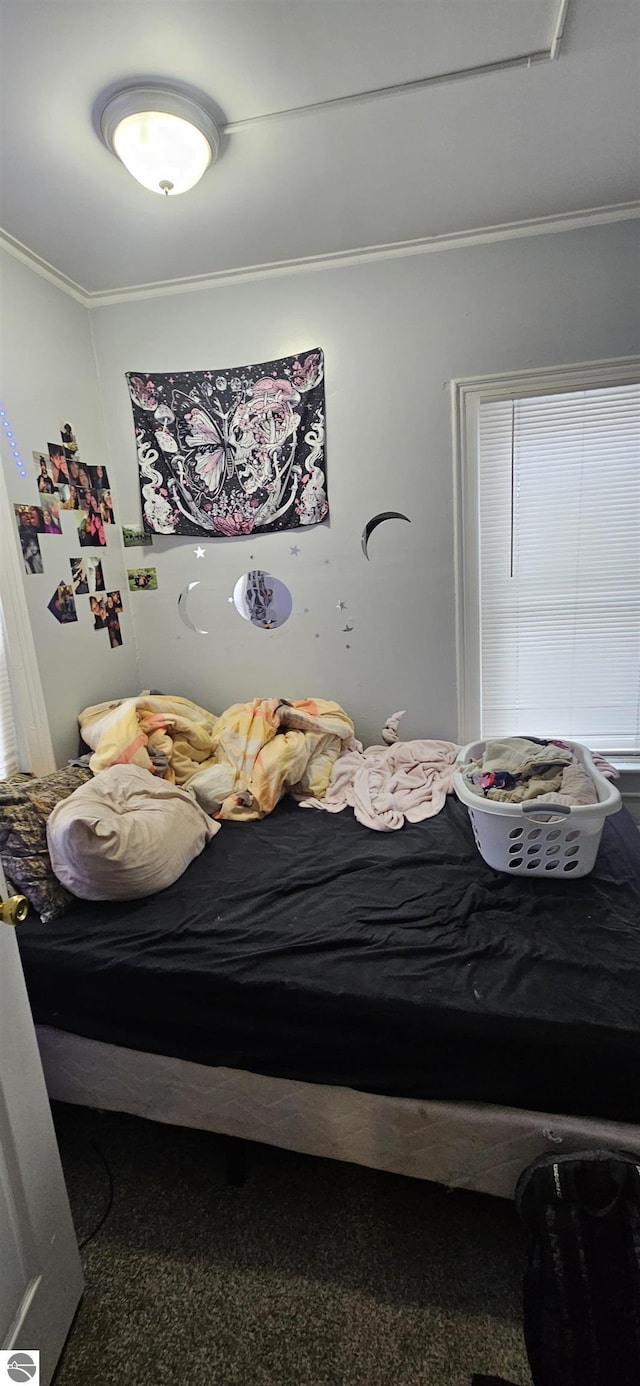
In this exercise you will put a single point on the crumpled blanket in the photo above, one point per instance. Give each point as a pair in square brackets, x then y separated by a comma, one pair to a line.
[168, 736]
[237, 765]
[385, 785]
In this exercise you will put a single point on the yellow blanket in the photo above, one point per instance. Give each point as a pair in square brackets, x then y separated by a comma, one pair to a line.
[238, 764]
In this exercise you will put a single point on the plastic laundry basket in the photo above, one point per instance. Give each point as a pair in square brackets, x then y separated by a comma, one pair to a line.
[535, 838]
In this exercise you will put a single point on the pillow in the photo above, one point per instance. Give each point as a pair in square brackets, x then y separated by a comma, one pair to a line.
[25, 804]
[125, 834]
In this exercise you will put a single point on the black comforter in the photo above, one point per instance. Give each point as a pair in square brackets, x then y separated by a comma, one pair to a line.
[308, 946]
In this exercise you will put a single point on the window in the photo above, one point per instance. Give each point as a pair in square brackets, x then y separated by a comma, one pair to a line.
[548, 539]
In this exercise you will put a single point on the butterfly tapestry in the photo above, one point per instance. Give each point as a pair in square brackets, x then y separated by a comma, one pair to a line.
[232, 452]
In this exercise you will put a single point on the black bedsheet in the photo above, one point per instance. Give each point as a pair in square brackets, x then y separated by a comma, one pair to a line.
[308, 946]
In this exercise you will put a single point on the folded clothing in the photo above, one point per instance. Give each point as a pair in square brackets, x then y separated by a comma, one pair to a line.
[125, 834]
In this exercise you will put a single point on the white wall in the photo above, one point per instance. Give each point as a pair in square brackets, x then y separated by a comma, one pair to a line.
[47, 371]
[395, 332]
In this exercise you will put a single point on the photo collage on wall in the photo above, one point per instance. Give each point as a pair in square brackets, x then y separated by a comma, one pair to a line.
[65, 482]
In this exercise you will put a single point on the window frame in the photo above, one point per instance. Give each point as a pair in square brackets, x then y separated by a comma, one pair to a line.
[467, 394]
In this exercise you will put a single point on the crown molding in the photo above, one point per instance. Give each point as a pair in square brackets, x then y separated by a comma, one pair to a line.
[486, 235]
[42, 267]
[368, 254]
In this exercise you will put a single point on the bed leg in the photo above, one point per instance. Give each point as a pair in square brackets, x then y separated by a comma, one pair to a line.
[236, 1161]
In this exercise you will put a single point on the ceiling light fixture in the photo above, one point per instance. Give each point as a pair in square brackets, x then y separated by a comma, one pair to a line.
[165, 139]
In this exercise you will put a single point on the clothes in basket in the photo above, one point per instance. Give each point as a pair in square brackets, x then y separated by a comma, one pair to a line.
[541, 808]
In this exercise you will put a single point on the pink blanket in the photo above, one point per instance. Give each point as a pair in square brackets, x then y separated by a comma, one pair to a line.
[386, 784]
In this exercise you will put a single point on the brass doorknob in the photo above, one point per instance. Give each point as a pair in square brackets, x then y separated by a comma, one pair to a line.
[14, 910]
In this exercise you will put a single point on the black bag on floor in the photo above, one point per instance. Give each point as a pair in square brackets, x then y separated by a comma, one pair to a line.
[490, 1381]
[581, 1285]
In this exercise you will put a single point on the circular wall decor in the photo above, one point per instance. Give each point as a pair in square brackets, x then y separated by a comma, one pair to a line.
[263, 600]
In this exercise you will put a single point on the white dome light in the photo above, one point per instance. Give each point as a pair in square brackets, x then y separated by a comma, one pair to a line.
[163, 138]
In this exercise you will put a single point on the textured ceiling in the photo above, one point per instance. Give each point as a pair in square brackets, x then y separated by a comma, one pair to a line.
[474, 152]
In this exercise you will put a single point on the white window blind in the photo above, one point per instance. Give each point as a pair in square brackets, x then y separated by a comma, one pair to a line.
[559, 502]
[8, 747]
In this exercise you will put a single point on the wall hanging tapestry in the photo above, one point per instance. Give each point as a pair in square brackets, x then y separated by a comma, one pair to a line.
[232, 452]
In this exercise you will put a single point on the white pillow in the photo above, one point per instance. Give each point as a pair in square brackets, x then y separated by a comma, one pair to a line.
[125, 834]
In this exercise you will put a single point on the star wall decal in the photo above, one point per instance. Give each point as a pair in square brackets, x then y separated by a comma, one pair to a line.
[294, 550]
[199, 552]
[307, 610]
[341, 606]
[347, 647]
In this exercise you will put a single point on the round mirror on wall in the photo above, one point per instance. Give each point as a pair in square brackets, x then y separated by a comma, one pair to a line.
[263, 600]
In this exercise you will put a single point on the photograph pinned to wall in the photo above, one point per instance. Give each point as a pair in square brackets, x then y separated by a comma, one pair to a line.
[231, 452]
[62, 604]
[86, 575]
[135, 536]
[45, 482]
[29, 517]
[58, 464]
[80, 474]
[142, 579]
[93, 570]
[30, 525]
[99, 478]
[68, 439]
[99, 612]
[113, 606]
[105, 501]
[74, 470]
[97, 502]
[69, 497]
[106, 613]
[31, 552]
[91, 525]
[79, 577]
[51, 514]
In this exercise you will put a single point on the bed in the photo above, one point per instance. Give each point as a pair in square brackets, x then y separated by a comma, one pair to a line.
[385, 998]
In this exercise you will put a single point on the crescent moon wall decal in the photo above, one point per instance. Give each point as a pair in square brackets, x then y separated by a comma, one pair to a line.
[183, 612]
[377, 520]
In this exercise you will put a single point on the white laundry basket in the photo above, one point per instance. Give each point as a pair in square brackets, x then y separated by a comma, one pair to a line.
[534, 839]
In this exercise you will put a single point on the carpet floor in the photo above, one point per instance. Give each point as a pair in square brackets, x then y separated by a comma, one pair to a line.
[313, 1273]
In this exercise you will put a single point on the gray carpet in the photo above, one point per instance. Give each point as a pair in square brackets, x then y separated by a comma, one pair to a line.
[313, 1273]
